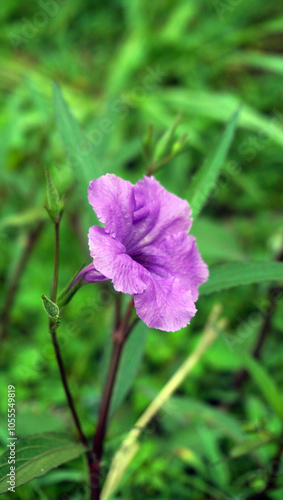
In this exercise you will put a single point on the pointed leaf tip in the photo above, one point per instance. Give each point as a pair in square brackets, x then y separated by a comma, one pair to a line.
[54, 204]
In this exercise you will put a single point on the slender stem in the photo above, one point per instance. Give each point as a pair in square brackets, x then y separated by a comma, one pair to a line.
[127, 316]
[56, 263]
[52, 329]
[16, 277]
[153, 168]
[119, 337]
[118, 306]
[105, 404]
[131, 327]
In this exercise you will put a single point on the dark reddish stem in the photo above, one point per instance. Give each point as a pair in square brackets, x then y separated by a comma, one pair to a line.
[119, 337]
[52, 330]
[118, 307]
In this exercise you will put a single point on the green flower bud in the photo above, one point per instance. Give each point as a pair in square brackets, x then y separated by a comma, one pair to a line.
[165, 142]
[51, 309]
[180, 145]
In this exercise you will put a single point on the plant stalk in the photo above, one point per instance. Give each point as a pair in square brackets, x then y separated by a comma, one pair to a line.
[52, 330]
[56, 263]
[120, 335]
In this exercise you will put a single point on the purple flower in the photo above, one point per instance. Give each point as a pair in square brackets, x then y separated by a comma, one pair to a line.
[145, 250]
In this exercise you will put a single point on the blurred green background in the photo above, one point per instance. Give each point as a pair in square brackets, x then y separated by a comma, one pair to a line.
[122, 66]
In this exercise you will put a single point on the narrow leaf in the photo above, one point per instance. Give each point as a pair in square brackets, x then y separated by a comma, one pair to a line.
[266, 62]
[36, 455]
[249, 446]
[216, 106]
[23, 219]
[129, 365]
[212, 452]
[54, 205]
[79, 149]
[241, 273]
[264, 382]
[205, 179]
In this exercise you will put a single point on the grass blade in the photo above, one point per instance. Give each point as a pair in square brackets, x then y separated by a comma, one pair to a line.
[205, 179]
[264, 382]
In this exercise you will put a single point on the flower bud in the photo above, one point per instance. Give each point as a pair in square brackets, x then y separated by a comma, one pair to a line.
[180, 145]
[51, 309]
[165, 142]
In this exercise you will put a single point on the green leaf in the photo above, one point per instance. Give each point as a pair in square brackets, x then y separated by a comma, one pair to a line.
[129, 365]
[24, 218]
[36, 455]
[205, 179]
[223, 243]
[267, 62]
[210, 445]
[54, 205]
[241, 273]
[249, 446]
[179, 407]
[60, 475]
[213, 105]
[79, 149]
[201, 485]
[264, 382]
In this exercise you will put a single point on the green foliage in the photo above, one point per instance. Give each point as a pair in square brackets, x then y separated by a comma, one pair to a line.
[205, 179]
[249, 446]
[164, 144]
[264, 382]
[36, 455]
[79, 150]
[123, 67]
[129, 365]
[54, 204]
[241, 273]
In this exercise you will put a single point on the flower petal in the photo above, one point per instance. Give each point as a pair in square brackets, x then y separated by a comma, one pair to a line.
[110, 259]
[157, 214]
[176, 256]
[182, 258]
[165, 304]
[112, 199]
